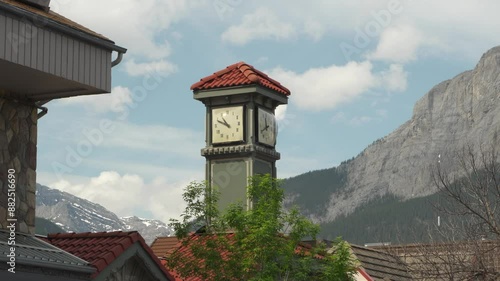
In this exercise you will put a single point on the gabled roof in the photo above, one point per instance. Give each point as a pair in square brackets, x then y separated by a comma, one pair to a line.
[380, 265]
[31, 251]
[102, 248]
[164, 246]
[239, 74]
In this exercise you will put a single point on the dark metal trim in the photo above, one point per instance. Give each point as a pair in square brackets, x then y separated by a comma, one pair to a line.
[44, 110]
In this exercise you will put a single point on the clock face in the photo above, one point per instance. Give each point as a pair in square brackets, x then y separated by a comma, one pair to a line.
[227, 124]
[267, 127]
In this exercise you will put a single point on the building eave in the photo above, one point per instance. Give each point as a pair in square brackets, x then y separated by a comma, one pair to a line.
[67, 30]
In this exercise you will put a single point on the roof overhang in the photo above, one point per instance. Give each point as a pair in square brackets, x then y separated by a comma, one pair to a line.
[34, 252]
[64, 29]
[42, 59]
[204, 95]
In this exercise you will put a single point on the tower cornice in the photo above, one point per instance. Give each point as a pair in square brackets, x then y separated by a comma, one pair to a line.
[240, 150]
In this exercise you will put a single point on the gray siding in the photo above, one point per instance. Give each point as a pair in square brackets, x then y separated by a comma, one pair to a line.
[26, 44]
[230, 177]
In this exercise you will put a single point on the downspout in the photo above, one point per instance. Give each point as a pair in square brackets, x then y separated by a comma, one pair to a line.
[117, 60]
[44, 110]
[38, 105]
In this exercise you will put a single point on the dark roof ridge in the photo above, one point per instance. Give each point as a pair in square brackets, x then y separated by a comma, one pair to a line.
[91, 234]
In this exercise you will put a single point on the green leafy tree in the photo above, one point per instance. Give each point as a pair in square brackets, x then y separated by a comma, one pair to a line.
[263, 243]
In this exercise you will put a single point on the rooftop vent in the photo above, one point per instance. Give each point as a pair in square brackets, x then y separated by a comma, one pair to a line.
[40, 4]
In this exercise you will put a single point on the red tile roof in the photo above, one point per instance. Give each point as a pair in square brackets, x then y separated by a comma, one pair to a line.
[102, 248]
[176, 276]
[239, 74]
[302, 249]
[164, 246]
[186, 252]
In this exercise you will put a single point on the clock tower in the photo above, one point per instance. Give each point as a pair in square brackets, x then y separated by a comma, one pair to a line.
[241, 128]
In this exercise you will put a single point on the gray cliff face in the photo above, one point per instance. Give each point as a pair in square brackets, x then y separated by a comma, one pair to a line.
[462, 111]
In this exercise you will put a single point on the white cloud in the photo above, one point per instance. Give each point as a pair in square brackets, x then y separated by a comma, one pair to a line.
[117, 101]
[280, 112]
[360, 120]
[339, 117]
[132, 24]
[110, 189]
[314, 29]
[148, 170]
[281, 117]
[262, 24]
[465, 29]
[161, 67]
[135, 25]
[177, 36]
[129, 194]
[395, 78]
[327, 87]
[398, 44]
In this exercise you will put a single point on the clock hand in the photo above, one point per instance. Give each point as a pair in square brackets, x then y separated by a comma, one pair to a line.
[223, 123]
[227, 124]
[266, 127]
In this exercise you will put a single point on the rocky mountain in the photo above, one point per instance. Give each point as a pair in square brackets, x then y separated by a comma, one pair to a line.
[44, 226]
[75, 214]
[464, 110]
[149, 229]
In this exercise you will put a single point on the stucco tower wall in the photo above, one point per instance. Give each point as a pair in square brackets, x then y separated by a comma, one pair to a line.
[18, 139]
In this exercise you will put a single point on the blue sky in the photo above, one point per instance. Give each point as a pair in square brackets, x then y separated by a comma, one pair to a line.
[355, 69]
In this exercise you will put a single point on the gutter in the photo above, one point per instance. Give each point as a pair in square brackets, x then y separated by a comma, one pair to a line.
[49, 23]
[86, 269]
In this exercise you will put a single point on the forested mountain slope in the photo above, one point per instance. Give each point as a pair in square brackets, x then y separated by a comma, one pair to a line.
[398, 168]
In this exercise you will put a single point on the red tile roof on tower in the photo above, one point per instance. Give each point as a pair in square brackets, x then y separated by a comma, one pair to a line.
[102, 248]
[239, 74]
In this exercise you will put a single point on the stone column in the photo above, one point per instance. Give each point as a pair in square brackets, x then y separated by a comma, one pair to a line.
[18, 139]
